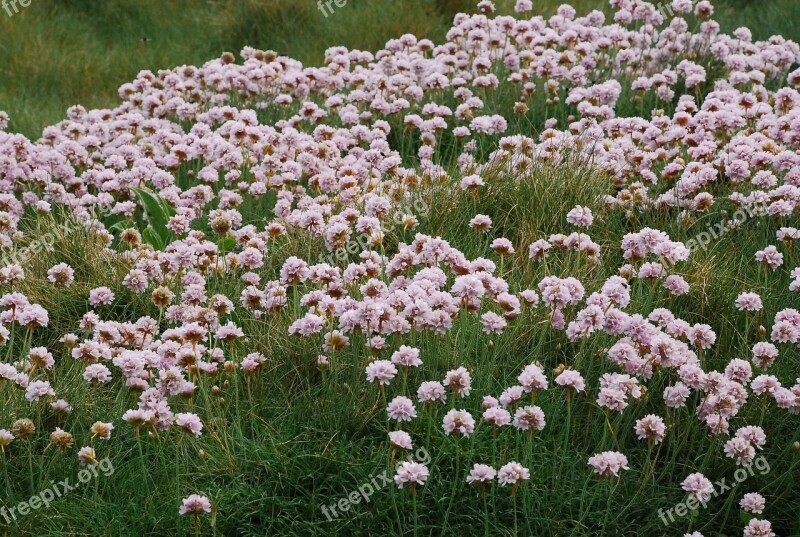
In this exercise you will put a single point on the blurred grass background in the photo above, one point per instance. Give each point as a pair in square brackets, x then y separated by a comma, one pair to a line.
[56, 53]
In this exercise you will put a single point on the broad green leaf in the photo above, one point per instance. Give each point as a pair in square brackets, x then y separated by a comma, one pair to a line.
[226, 244]
[158, 213]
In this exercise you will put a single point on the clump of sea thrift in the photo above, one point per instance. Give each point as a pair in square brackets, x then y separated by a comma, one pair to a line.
[381, 294]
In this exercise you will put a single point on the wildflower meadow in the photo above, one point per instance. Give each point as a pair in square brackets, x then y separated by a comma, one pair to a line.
[534, 275]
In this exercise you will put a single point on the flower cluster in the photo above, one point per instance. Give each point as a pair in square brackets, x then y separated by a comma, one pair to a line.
[245, 202]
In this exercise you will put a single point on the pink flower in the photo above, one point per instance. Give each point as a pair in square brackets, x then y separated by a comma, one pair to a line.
[502, 246]
[698, 486]
[676, 396]
[471, 182]
[136, 280]
[748, 302]
[765, 384]
[87, 455]
[740, 450]
[101, 296]
[512, 473]
[195, 505]
[460, 381]
[406, 356]
[539, 249]
[480, 223]
[676, 285]
[650, 427]
[511, 395]
[532, 378]
[753, 434]
[400, 439]
[5, 439]
[529, 418]
[753, 502]
[458, 422]
[411, 472]
[228, 332]
[497, 416]
[580, 216]
[758, 528]
[770, 256]
[569, 378]
[38, 389]
[98, 373]
[431, 391]
[401, 409]
[61, 274]
[702, 336]
[521, 6]
[383, 371]
[613, 399]
[493, 323]
[481, 473]
[609, 463]
[294, 270]
[189, 422]
[137, 417]
[764, 354]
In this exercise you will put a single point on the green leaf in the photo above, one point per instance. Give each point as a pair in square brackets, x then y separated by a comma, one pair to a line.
[744, 517]
[226, 244]
[119, 226]
[158, 212]
[153, 238]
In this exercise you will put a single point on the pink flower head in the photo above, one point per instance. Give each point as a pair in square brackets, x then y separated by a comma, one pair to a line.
[580, 216]
[460, 381]
[407, 356]
[458, 422]
[748, 302]
[529, 418]
[412, 473]
[512, 473]
[382, 371]
[571, 379]
[401, 409]
[481, 473]
[400, 440]
[758, 528]
[651, 427]
[698, 486]
[101, 296]
[609, 463]
[189, 422]
[61, 274]
[753, 502]
[431, 391]
[195, 504]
